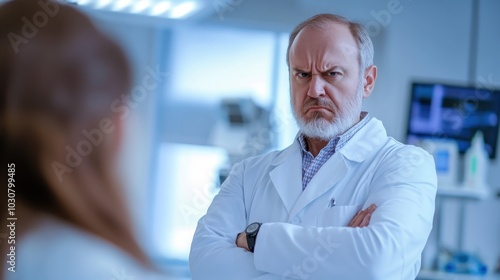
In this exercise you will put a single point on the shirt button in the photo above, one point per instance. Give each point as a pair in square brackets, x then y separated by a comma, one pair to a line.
[296, 220]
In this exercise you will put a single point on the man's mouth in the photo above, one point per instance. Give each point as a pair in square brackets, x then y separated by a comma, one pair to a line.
[318, 108]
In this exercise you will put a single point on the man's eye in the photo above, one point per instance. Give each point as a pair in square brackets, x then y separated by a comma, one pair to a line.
[333, 74]
[302, 75]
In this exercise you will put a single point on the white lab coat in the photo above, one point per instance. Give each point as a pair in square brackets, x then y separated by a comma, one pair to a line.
[303, 236]
[55, 250]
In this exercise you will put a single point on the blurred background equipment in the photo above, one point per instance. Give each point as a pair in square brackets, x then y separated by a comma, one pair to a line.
[440, 111]
[476, 163]
[243, 129]
[461, 262]
[446, 157]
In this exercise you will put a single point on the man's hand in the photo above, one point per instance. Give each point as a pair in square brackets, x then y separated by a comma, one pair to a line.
[241, 241]
[362, 218]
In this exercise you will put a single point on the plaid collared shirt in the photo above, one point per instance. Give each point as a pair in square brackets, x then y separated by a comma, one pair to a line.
[311, 164]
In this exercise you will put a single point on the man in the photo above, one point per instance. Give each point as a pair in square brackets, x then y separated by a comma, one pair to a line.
[294, 214]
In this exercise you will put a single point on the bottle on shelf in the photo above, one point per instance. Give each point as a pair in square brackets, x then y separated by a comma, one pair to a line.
[476, 163]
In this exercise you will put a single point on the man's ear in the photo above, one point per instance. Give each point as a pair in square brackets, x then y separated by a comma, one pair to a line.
[369, 80]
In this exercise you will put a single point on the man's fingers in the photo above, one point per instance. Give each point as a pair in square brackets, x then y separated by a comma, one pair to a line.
[354, 220]
[366, 220]
[362, 218]
[358, 219]
[371, 208]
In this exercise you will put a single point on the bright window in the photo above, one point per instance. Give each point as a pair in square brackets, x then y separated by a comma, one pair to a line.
[210, 63]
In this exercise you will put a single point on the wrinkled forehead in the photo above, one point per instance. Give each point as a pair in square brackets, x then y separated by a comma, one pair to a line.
[331, 43]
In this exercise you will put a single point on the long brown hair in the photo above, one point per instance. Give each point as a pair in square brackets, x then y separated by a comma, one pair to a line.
[59, 76]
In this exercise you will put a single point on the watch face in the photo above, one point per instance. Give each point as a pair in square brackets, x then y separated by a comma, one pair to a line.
[252, 227]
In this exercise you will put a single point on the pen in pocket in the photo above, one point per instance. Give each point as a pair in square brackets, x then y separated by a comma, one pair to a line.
[332, 203]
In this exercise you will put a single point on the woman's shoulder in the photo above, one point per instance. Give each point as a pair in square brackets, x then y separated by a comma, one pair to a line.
[55, 250]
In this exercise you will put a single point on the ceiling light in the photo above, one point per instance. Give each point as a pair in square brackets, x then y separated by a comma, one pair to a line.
[161, 8]
[122, 4]
[183, 10]
[103, 3]
[141, 6]
[83, 2]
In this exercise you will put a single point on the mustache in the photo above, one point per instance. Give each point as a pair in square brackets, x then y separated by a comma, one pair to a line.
[323, 102]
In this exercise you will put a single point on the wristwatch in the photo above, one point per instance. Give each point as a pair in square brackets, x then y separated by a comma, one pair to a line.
[252, 230]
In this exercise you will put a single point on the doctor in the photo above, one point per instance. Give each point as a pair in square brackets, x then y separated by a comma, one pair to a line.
[295, 214]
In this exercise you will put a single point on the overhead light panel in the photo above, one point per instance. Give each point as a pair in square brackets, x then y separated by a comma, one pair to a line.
[83, 2]
[121, 5]
[103, 3]
[141, 6]
[182, 10]
[174, 9]
[161, 8]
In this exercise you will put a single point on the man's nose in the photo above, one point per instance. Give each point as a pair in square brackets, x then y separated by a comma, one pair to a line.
[316, 86]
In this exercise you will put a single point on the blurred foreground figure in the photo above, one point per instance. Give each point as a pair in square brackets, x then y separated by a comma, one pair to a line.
[63, 206]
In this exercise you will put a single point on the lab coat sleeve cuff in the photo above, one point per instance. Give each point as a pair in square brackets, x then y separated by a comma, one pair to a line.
[267, 255]
[260, 246]
[264, 258]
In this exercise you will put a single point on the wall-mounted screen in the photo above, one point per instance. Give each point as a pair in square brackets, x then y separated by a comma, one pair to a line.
[440, 111]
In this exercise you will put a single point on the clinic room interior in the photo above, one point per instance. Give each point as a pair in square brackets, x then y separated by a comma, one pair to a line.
[210, 88]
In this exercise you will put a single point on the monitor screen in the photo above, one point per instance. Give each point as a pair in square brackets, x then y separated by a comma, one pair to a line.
[439, 111]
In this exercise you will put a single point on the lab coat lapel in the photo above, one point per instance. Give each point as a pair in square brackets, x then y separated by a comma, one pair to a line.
[327, 176]
[287, 175]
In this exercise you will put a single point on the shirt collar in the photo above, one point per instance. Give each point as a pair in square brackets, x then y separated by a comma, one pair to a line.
[339, 141]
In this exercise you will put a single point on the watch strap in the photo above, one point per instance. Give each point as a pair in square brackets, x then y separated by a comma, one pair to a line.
[252, 238]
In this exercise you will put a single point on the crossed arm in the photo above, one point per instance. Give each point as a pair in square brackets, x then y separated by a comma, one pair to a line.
[389, 248]
[361, 219]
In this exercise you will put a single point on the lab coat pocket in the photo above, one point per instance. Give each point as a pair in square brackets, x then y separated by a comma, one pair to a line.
[338, 216]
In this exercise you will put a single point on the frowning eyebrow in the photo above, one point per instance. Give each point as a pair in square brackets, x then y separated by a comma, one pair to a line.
[295, 69]
[332, 69]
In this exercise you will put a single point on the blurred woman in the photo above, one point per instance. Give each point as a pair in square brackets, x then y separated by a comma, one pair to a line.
[68, 219]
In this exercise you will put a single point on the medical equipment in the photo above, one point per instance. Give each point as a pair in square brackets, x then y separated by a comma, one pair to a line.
[243, 130]
[441, 111]
[445, 153]
[462, 262]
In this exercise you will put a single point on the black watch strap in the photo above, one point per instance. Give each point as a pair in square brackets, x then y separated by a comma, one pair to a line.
[251, 231]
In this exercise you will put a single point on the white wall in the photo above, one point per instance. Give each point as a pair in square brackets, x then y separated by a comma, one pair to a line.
[140, 42]
[422, 42]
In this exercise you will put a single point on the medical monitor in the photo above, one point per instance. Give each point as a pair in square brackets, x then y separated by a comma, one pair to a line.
[440, 111]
